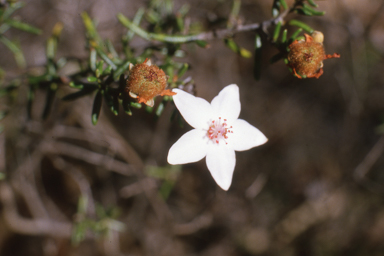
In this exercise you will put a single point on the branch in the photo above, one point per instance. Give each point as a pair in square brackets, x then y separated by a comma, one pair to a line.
[26, 226]
[220, 33]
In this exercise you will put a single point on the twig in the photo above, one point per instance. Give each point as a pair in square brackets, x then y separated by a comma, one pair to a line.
[220, 33]
[26, 188]
[370, 159]
[195, 225]
[138, 187]
[27, 226]
[78, 177]
[67, 149]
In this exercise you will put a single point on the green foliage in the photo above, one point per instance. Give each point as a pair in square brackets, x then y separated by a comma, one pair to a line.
[7, 22]
[102, 75]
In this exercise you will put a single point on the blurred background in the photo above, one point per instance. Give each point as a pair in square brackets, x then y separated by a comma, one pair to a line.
[316, 188]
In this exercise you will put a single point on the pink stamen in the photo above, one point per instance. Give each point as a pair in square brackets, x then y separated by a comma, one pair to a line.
[218, 131]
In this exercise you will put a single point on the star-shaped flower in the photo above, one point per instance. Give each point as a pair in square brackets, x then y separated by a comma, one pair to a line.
[217, 135]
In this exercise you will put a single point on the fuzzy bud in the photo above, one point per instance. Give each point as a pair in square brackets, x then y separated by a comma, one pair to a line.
[306, 57]
[146, 81]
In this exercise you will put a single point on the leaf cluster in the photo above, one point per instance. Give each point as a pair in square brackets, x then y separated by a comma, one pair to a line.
[104, 73]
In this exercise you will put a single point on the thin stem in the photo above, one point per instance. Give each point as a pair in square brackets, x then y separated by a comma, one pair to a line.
[220, 33]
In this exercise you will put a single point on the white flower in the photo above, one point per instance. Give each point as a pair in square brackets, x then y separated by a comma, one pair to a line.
[217, 135]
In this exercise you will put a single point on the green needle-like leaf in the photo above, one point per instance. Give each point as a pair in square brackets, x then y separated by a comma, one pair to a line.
[121, 69]
[311, 2]
[284, 36]
[97, 107]
[257, 58]
[112, 102]
[284, 4]
[302, 25]
[76, 86]
[18, 54]
[159, 109]
[201, 43]
[135, 105]
[11, 9]
[136, 20]
[126, 106]
[106, 58]
[31, 97]
[51, 48]
[309, 9]
[92, 79]
[49, 101]
[276, 32]
[79, 94]
[276, 8]
[295, 34]
[182, 70]
[92, 59]
[122, 83]
[23, 26]
[90, 27]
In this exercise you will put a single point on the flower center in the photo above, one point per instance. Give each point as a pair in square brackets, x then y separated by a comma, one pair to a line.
[218, 130]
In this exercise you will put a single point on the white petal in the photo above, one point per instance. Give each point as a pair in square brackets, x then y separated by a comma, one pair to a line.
[245, 136]
[221, 161]
[196, 111]
[191, 147]
[150, 102]
[227, 103]
[132, 95]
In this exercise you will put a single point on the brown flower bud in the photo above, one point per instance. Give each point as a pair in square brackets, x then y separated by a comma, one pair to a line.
[146, 81]
[305, 57]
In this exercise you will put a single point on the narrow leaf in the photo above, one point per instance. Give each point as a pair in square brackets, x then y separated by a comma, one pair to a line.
[136, 20]
[276, 8]
[284, 36]
[295, 34]
[121, 69]
[76, 86]
[92, 79]
[51, 48]
[182, 70]
[106, 58]
[257, 58]
[97, 107]
[90, 27]
[201, 43]
[92, 59]
[31, 97]
[126, 107]
[312, 2]
[135, 105]
[313, 11]
[159, 109]
[302, 25]
[18, 54]
[122, 83]
[232, 45]
[11, 9]
[23, 26]
[245, 53]
[48, 102]
[276, 32]
[284, 4]
[79, 94]
[112, 102]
